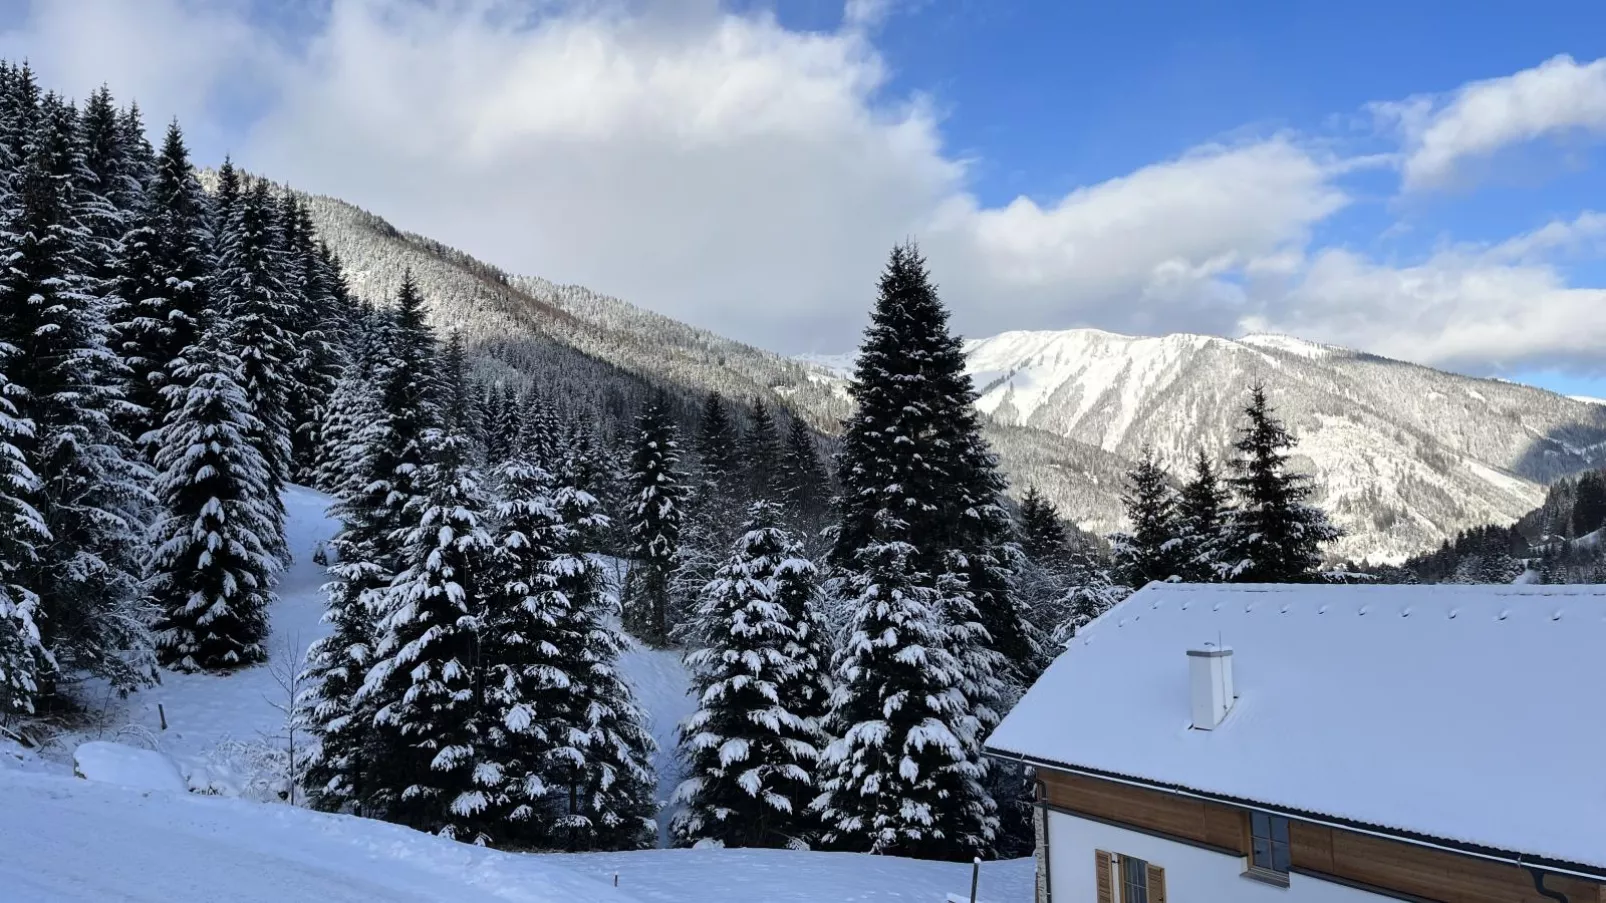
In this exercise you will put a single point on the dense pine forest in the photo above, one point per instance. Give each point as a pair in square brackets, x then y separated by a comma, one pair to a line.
[856, 617]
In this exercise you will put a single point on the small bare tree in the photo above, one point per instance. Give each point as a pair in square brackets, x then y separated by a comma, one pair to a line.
[289, 668]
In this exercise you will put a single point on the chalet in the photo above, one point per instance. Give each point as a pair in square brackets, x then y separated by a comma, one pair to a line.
[1241, 743]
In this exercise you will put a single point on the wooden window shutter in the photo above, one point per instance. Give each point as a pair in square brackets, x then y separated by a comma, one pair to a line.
[1101, 869]
[1156, 884]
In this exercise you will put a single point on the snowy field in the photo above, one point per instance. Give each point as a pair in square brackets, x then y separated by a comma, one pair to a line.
[115, 838]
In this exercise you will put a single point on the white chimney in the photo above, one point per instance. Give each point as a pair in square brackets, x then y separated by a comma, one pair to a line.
[1210, 685]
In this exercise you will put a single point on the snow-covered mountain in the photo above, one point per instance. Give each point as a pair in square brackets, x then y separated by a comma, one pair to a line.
[1405, 455]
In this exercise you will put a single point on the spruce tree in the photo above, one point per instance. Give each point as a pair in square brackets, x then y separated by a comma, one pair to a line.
[801, 479]
[250, 292]
[456, 400]
[160, 282]
[394, 410]
[1089, 593]
[530, 651]
[88, 491]
[1042, 533]
[606, 795]
[1589, 503]
[1151, 550]
[657, 496]
[1202, 511]
[23, 656]
[761, 455]
[935, 633]
[719, 467]
[211, 564]
[1274, 535]
[752, 745]
[424, 685]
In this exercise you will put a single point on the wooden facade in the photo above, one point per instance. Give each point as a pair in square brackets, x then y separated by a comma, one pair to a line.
[1386, 866]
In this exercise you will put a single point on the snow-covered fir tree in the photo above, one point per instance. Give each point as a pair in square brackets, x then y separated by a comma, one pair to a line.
[161, 277]
[923, 545]
[249, 291]
[211, 570]
[752, 745]
[393, 408]
[424, 685]
[801, 479]
[533, 644]
[89, 489]
[1273, 534]
[761, 455]
[1202, 511]
[1042, 533]
[1089, 592]
[1150, 550]
[657, 496]
[606, 799]
[23, 656]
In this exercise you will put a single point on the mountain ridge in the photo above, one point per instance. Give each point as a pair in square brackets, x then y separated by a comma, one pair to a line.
[1051, 424]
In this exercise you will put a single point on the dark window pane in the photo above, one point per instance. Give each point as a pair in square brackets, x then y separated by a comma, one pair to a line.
[1279, 857]
[1279, 829]
[1134, 880]
[1261, 857]
[1259, 824]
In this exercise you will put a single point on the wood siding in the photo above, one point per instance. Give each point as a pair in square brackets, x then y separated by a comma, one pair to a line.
[1373, 862]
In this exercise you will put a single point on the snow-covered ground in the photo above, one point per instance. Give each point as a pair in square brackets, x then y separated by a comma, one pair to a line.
[69, 840]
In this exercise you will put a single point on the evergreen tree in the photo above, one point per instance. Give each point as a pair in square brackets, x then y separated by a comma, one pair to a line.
[801, 479]
[1089, 593]
[538, 431]
[935, 633]
[1042, 533]
[88, 492]
[23, 656]
[250, 294]
[752, 745]
[228, 195]
[761, 455]
[211, 566]
[718, 467]
[610, 802]
[1589, 503]
[456, 401]
[1152, 550]
[393, 411]
[160, 281]
[424, 684]
[532, 646]
[1202, 511]
[903, 777]
[1273, 536]
[657, 495]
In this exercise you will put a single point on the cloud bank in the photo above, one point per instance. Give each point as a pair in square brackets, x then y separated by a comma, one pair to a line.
[748, 178]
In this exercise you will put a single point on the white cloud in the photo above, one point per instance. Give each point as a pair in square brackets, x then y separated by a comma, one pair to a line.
[1443, 135]
[1502, 305]
[726, 170]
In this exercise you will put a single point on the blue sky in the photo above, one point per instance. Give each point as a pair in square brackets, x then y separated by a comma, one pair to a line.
[1412, 179]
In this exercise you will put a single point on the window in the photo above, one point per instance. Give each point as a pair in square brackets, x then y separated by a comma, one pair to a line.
[1268, 837]
[1125, 879]
[1134, 880]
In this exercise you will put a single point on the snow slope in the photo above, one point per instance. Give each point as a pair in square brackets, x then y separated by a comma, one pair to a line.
[73, 841]
[663, 688]
[211, 718]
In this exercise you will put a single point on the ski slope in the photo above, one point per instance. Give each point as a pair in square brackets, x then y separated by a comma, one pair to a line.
[70, 840]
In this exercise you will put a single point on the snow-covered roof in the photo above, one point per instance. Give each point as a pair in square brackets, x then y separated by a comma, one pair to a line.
[1471, 714]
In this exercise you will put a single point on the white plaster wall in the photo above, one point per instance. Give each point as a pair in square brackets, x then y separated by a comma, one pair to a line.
[1192, 875]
